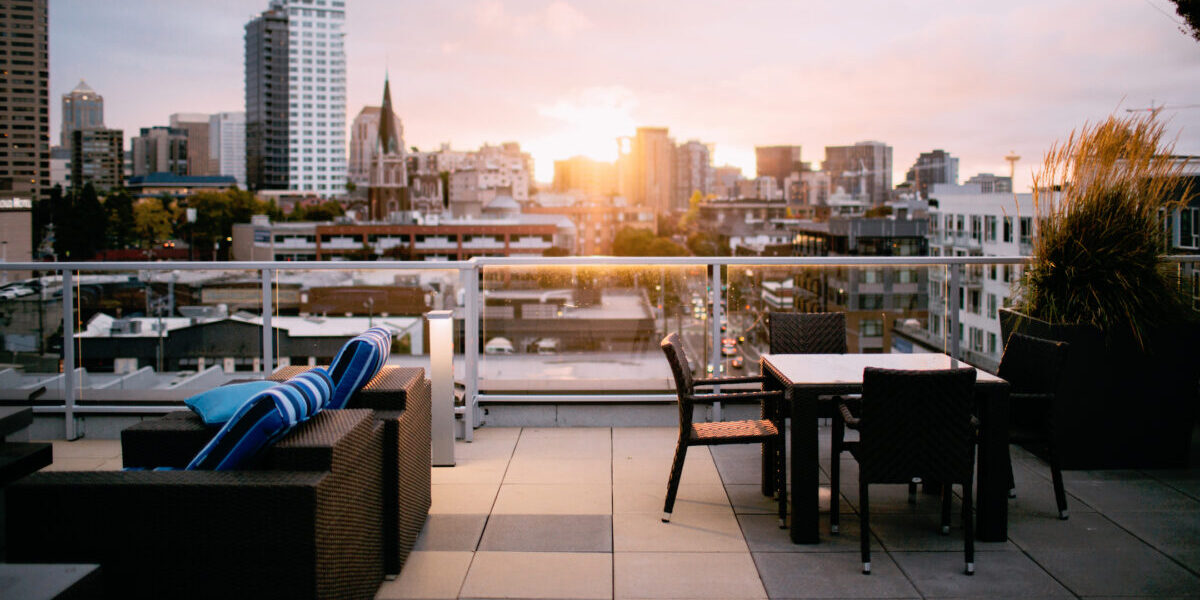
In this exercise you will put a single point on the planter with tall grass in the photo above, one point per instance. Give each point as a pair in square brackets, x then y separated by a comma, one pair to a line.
[1097, 280]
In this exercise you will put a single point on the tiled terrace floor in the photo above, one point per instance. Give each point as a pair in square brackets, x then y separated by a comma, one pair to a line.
[575, 513]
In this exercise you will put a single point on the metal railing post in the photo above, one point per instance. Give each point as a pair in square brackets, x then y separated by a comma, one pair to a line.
[715, 360]
[70, 385]
[268, 353]
[471, 350]
[952, 297]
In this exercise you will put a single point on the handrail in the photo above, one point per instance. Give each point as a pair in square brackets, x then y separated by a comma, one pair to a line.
[470, 272]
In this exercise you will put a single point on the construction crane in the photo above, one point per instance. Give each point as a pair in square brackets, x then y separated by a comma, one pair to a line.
[1156, 109]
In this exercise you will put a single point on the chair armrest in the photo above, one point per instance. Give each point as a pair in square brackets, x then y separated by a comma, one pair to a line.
[728, 396]
[847, 417]
[724, 380]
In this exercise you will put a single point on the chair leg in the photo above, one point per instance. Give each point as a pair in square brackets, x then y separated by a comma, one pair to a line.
[946, 494]
[865, 525]
[769, 452]
[835, 470]
[673, 482]
[1060, 494]
[781, 477]
[968, 525]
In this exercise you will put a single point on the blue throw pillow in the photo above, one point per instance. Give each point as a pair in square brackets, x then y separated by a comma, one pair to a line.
[357, 362]
[217, 405]
[265, 419]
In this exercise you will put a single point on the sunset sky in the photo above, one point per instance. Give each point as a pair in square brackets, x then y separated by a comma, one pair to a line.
[975, 78]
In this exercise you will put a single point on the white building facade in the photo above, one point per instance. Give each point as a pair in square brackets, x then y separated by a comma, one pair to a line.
[227, 145]
[969, 222]
[317, 95]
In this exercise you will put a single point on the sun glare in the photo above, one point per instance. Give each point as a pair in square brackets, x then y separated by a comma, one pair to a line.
[584, 124]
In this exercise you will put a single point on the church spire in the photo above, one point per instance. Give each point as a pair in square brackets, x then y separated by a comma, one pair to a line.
[388, 142]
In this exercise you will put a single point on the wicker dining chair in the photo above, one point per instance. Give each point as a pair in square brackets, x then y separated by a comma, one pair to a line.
[724, 432]
[802, 333]
[1033, 367]
[911, 424]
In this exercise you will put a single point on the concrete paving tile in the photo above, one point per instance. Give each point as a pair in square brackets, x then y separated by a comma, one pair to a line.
[1037, 499]
[923, 532]
[763, 534]
[649, 498]
[471, 470]
[695, 532]
[583, 575]
[548, 533]
[451, 532]
[1131, 495]
[565, 442]
[1121, 572]
[686, 575]
[554, 499]
[463, 498]
[428, 576]
[1082, 531]
[1172, 533]
[831, 575]
[698, 467]
[997, 574]
[559, 471]
[112, 464]
[1103, 475]
[888, 498]
[75, 464]
[747, 499]
[85, 448]
[649, 433]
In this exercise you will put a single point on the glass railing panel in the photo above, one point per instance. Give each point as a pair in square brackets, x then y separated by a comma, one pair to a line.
[586, 329]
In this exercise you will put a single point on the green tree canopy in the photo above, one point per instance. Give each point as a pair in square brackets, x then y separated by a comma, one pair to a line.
[119, 208]
[703, 243]
[632, 241]
[152, 222]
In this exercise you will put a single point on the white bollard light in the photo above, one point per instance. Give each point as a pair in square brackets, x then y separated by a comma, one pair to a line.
[441, 378]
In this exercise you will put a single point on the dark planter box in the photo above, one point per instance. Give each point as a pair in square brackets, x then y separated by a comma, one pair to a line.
[1118, 406]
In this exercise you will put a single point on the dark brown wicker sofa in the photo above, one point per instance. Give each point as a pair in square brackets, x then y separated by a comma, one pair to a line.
[303, 521]
[400, 399]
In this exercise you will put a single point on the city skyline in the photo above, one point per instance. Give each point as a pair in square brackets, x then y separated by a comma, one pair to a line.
[567, 78]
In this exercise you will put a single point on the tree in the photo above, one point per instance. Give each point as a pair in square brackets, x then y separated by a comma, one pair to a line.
[44, 212]
[326, 211]
[692, 215]
[555, 251]
[217, 212]
[1190, 11]
[152, 222]
[80, 225]
[119, 208]
[882, 210]
[703, 243]
[632, 241]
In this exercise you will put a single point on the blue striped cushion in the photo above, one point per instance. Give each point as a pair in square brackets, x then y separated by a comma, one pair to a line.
[264, 420]
[357, 362]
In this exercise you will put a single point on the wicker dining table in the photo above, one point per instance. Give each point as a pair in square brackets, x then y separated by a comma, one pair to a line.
[806, 377]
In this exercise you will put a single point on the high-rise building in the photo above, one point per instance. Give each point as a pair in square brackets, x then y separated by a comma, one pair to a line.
[24, 100]
[364, 139]
[160, 150]
[583, 174]
[267, 95]
[646, 169]
[98, 157]
[227, 145]
[863, 170]
[777, 161]
[296, 97]
[82, 108]
[992, 184]
[933, 167]
[195, 126]
[387, 191]
[725, 181]
[693, 172]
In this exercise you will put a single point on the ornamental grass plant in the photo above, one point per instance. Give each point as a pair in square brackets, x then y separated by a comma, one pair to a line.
[1101, 201]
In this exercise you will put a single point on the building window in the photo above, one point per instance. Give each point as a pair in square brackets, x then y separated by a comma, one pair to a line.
[973, 302]
[977, 339]
[870, 301]
[989, 228]
[991, 307]
[991, 337]
[1008, 230]
[1026, 230]
[976, 228]
[870, 327]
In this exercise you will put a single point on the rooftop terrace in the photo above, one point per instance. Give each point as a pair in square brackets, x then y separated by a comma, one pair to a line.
[575, 513]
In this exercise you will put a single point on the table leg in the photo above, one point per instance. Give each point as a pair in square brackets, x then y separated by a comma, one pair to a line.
[768, 448]
[991, 515]
[805, 510]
